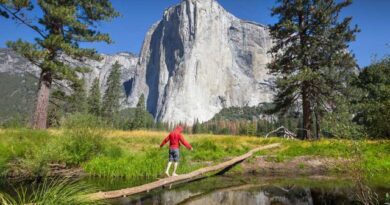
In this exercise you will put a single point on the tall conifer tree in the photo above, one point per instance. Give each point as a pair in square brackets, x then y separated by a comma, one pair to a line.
[310, 55]
[77, 101]
[94, 98]
[60, 28]
[113, 92]
[140, 114]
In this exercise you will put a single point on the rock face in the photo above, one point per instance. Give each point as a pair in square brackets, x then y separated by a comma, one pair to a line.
[12, 63]
[199, 59]
[101, 69]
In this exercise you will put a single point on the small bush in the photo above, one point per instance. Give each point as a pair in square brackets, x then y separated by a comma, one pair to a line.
[79, 145]
[14, 122]
[81, 121]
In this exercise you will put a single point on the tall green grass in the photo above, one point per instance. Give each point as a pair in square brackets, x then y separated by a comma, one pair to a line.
[107, 153]
[143, 157]
[52, 192]
[28, 153]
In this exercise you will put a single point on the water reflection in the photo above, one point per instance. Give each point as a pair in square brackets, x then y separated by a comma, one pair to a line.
[257, 194]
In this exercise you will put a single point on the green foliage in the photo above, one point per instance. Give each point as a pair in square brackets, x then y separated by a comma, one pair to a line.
[240, 113]
[151, 161]
[81, 145]
[148, 164]
[124, 119]
[338, 123]
[17, 92]
[23, 154]
[136, 154]
[77, 101]
[16, 121]
[94, 98]
[63, 104]
[142, 118]
[28, 153]
[82, 120]
[55, 192]
[112, 94]
[309, 55]
[253, 121]
[373, 109]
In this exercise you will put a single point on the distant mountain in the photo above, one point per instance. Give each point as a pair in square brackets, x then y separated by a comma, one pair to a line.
[19, 79]
[200, 59]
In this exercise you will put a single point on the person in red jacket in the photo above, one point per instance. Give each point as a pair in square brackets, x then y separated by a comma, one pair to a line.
[175, 138]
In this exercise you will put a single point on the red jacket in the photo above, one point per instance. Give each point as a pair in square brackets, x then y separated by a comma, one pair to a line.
[175, 138]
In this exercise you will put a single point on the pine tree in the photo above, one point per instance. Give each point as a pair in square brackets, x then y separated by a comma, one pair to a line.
[94, 98]
[110, 106]
[310, 55]
[195, 127]
[373, 107]
[141, 114]
[77, 101]
[60, 28]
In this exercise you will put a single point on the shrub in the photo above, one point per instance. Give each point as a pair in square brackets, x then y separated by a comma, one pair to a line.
[81, 121]
[79, 145]
[16, 121]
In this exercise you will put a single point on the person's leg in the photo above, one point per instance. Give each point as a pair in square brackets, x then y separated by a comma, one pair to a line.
[175, 168]
[176, 160]
[171, 158]
[168, 167]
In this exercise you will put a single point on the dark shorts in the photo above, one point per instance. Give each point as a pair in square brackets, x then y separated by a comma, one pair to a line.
[174, 155]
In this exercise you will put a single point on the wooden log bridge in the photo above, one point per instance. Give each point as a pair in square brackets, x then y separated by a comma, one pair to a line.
[176, 179]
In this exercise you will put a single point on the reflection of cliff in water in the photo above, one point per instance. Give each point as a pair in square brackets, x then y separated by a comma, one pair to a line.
[247, 194]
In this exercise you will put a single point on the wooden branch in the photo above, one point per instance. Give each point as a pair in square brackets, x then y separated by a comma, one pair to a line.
[180, 178]
[287, 133]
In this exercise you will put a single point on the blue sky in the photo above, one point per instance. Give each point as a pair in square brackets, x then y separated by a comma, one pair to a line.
[128, 31]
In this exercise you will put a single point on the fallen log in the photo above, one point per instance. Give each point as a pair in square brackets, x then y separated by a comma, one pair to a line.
[286, 133]
[176, 179]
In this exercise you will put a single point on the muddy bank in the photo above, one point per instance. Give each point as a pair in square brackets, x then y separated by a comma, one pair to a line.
[20, 173]
[302, 165]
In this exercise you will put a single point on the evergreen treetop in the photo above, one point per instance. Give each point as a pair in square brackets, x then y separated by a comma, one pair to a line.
[310, 55]
[94, 98]
[111, 104]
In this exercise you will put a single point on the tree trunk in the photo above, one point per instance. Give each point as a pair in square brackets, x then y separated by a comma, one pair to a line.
[41, 109]
[318, 130]
[307, 112]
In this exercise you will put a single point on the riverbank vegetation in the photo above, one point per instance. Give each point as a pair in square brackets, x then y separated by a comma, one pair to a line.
[52, 192]
[26, 153]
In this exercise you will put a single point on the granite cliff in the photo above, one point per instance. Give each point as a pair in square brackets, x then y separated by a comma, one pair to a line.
[199, 59]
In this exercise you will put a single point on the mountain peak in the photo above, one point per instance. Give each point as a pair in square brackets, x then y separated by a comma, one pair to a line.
[199, 59]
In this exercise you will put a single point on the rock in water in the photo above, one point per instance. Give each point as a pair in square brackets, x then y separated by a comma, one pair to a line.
[199, 59]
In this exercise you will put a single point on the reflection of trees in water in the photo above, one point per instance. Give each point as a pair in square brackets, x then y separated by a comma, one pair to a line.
[250, 194]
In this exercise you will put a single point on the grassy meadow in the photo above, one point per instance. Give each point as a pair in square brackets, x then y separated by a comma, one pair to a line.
[30, 153]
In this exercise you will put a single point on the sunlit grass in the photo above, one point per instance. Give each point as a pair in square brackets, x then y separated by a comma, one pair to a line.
[113, 153]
